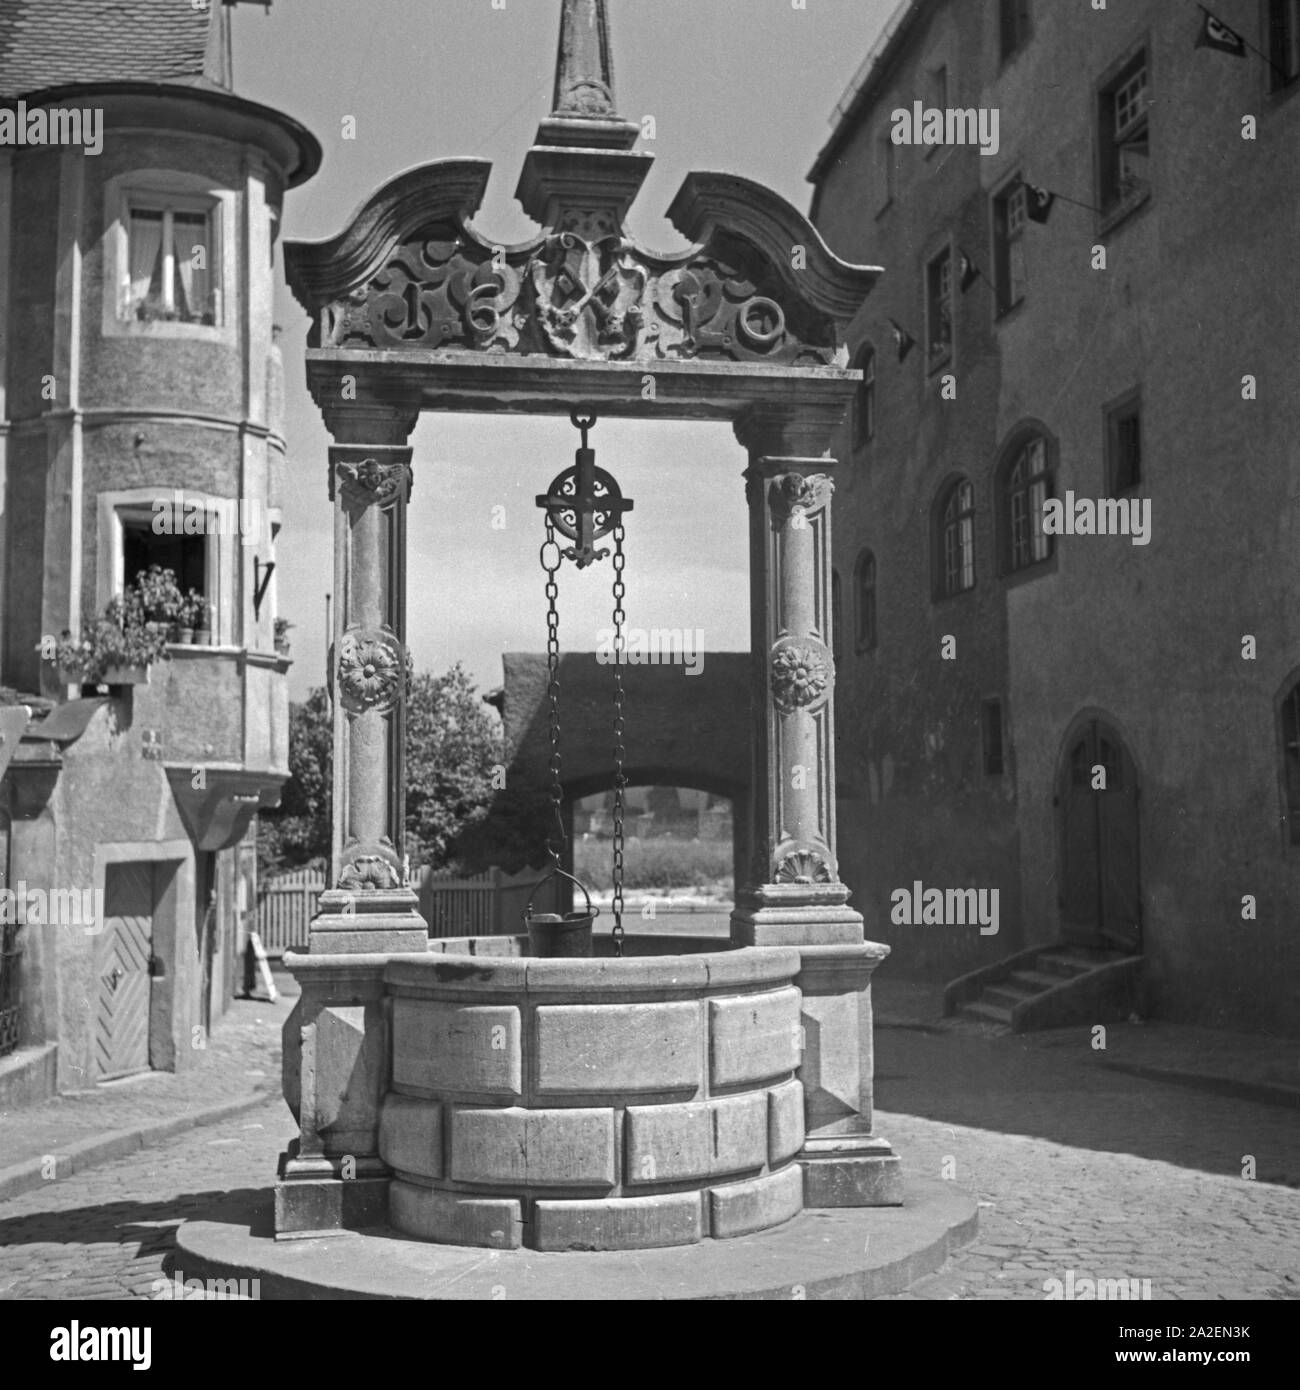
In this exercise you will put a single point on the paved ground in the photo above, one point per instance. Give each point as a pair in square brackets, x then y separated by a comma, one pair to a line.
[240, 1060]
[1078, 1167]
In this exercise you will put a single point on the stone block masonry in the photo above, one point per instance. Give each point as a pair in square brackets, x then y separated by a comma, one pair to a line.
[596, 1105]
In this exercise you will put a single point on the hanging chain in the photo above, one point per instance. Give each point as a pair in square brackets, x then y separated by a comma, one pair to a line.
[620, 780]
[553, 686]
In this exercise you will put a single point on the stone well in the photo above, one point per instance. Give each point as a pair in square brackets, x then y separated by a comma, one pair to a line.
[603, 1104]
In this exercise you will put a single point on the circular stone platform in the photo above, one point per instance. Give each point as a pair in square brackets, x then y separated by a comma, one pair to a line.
[840, 1253]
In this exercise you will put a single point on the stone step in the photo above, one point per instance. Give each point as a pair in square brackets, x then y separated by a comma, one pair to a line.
[1035, 980]
[1064, 965]
[1007, 995]
[987, 1013]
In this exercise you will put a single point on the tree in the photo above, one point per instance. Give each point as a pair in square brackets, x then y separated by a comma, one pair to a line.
[299, 830]
[453, 746]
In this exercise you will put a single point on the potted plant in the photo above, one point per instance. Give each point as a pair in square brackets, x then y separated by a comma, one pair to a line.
[203, 623]
[191, 611]
[115, 648]
[159, 597]
[282, 626]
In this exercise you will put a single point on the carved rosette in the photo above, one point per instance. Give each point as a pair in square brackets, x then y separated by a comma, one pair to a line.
[804, 866]
[801, 675]
[371, 482]
[798, 494]
[374, 671]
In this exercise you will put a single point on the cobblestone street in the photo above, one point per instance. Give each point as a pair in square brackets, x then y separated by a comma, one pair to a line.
[1076, 1168]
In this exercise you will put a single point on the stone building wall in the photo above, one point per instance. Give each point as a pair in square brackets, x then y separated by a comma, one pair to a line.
[1194, 297]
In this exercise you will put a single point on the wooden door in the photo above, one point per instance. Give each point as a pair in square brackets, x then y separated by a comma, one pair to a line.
[1100, 897]
[126, 947]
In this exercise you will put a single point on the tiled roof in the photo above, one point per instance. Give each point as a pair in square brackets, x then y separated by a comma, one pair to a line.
[49, 43]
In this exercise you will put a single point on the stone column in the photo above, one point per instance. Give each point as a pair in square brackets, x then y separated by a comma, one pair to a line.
[794, 896]
[336, 1040]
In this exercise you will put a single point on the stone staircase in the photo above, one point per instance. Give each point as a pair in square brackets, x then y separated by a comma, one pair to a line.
[1049, 987]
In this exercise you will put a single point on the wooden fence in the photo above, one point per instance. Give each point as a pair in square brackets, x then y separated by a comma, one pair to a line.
[489, 904]
[285, 906]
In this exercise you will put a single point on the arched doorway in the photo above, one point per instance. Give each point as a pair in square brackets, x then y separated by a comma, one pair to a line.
[1099, 869]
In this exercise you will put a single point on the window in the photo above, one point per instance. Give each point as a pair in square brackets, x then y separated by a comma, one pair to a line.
[991, 737]
[1123, 136]
[1026, 486]
[956, 539]
[938, 315]
[170, 257]
[185, 556]
[837, 604]
[1124, 446]
[866, 601]
[1284, 42]
[1010, 215]
[1290, 731]
[864, 406]
[1015, 25]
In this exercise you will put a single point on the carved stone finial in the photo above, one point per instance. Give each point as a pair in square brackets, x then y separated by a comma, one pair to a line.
[584, 111]
[584, 82]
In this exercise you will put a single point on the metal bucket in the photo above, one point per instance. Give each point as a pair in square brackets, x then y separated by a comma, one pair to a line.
[552, 935]
[570, 935]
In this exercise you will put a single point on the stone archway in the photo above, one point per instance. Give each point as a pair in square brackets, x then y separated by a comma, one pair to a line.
[413, 309]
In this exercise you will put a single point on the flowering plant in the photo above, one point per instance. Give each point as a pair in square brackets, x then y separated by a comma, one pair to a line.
[119, 637]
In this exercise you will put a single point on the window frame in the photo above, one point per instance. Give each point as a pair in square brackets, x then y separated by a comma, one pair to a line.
[222, 553]
[170, 190]
[1287, 697]
[1118, 204]
[1277, 86]
[1122, 408]
[942, 525]
[938, 357]
[1003, 239]
[1019, 441]
[167, 209]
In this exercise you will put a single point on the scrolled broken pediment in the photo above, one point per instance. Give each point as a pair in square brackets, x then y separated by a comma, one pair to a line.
[582, 291]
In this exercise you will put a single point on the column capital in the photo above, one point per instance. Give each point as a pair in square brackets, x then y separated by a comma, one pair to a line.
[775, 431]
[370, 422]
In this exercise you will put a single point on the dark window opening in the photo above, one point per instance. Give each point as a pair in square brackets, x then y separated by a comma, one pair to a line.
[1124, 447]
[938, 297]
[866, 605]
[1291, 761]
[1284, 42]
[1015, 24]
[185, 556]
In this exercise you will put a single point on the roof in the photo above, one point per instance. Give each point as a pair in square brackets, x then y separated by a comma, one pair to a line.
[864, 90]
[54, 43]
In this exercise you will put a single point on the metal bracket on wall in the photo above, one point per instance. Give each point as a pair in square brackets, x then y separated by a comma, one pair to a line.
[261, 578]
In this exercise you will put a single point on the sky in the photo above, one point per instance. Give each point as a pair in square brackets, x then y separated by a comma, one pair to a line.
[741, 86]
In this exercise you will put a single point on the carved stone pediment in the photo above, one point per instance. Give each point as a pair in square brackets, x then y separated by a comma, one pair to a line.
[583, 291]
